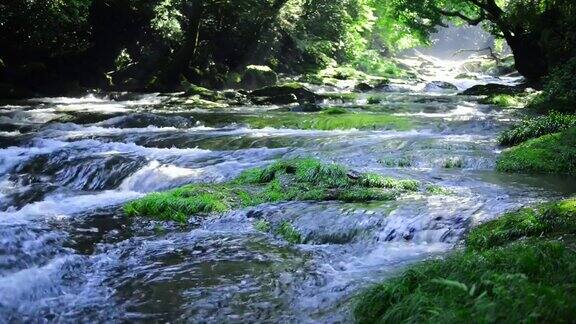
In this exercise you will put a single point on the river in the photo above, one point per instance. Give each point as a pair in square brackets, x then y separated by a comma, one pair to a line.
[68, 254]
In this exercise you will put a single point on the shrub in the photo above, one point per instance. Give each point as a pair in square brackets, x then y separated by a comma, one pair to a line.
[559, 89]
[537, 126]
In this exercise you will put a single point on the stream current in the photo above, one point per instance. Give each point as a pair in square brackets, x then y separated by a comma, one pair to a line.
[68, 254]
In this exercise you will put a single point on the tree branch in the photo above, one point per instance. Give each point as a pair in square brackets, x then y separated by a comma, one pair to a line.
[471, 21]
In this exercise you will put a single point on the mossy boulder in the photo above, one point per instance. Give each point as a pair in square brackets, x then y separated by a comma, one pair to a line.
[296, 89]
[257, 76]
[363, 87]
[206, 94]
[439, 86]
[492, 89]
[276, 100]
[285, 180]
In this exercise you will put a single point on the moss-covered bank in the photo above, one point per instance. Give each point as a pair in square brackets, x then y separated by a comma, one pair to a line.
[553, 154]
[285, 180]
[498, 278]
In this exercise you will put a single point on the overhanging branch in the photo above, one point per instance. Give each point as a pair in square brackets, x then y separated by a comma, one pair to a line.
[471, 21]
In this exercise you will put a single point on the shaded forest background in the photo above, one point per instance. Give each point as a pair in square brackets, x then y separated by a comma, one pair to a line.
[55, 46]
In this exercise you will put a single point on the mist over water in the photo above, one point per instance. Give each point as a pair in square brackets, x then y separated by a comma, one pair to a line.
[67, 165]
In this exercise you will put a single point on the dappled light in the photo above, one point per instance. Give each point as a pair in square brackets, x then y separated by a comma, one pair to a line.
[287, 161]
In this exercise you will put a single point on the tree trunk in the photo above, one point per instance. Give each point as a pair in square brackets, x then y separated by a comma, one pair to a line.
[529, 56]
[169, 76]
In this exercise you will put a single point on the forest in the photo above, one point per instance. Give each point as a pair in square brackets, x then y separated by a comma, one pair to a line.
[368, 161]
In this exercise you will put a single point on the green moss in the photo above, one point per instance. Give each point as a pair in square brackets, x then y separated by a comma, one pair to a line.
[505, 100]
[438, 190]
[285, 180]
[453, 163]
[554, 218]
[335, 111]
[523, 282]
[402, 162]
[322, 121]
[537, 126]
[554, 154]
[344, 97]
[288, 232]
[378, 181]
[262, 225]
[498, 278]
[373, 100]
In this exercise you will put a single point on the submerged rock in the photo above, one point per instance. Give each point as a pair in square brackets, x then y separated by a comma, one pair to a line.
[363, 87]
[307, 107]
[276, 100]
[439, 85]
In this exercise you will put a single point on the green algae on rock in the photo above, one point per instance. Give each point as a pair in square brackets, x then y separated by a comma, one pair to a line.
[328, 120]
[284, 180]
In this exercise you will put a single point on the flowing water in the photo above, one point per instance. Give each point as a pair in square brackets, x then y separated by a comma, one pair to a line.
[68, 254]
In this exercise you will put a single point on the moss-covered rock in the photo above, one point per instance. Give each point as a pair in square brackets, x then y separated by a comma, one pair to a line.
[492, 89]
[553, 154]
[504, 101]
[328, 120]
[257, 76]
[302, 93]
[203, 93]
[285, 180]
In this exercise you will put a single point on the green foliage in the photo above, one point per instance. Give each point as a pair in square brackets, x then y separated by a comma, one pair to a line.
[50, 27]
[326, 121]
[544, 220]
[453, 163]
[374, 63]
[524, 282]
[535, 127]
[167, 21]
[503, 100]
[554, 153]
[123, 59]
[373, 100]
[496, 279]
[559, 89]
[288, 232]
[284, 180]
[438, 190]
[262, 225]
[401, 162]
